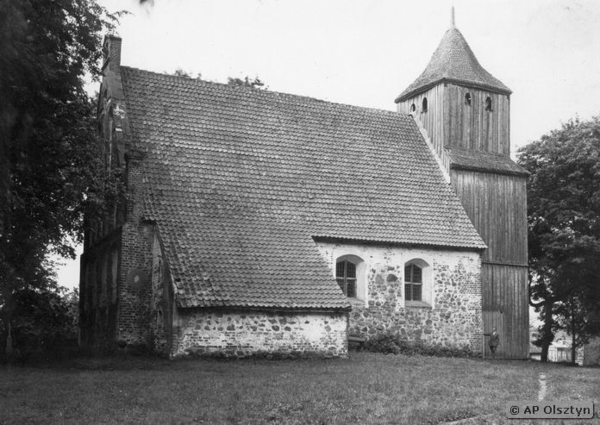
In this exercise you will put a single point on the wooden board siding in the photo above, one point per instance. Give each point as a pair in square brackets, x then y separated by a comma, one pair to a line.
[497, 206]
[504, 290]
[433, 119]
[471, 126]
[450, 122]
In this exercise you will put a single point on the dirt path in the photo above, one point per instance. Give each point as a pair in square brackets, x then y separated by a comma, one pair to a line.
[543, 388]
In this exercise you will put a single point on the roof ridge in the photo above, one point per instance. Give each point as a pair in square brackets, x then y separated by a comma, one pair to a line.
[267, 92]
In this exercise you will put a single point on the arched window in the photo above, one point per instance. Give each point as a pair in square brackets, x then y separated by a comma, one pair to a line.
[413, 108]
[468, 99]
[413, 282]
[350, 274]
[345, 274]
[488, 103]
[424, 108]
[418, 284]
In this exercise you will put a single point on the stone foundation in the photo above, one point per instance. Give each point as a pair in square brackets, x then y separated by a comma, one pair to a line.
[241, 334]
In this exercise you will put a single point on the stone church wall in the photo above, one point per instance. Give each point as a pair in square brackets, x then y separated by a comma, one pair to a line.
[244, 333]
[449, 314]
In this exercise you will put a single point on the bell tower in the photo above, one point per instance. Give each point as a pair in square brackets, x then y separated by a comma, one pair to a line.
[459, 103]
[465, 112]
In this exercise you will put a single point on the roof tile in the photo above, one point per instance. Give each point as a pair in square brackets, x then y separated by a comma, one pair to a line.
[454, 61]
[240, 181]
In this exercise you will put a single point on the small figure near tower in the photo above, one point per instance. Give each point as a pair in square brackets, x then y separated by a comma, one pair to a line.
[494, 342]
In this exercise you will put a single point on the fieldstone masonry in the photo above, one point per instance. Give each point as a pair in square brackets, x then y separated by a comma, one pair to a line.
[450, 313]
[244, 333]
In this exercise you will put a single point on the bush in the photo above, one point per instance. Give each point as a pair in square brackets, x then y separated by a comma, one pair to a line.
[389, 343]
[44, 325]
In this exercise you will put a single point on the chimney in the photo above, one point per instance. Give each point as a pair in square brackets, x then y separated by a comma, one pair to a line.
[111, 51]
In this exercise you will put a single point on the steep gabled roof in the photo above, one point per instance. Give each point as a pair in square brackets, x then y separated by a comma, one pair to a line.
[454, 62]
[240, 181]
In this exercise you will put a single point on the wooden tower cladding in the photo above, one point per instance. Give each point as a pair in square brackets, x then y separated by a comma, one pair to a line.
[466, 113]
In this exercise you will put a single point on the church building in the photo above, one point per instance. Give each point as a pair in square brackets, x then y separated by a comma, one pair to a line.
[262, 223]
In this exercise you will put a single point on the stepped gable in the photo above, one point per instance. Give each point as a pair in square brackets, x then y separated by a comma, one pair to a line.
[454, 62]
[240, 182]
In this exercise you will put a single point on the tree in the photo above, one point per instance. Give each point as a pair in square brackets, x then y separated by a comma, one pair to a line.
[256, 83]
[180, 72]
[579, 321]
[564, 229]
[45, 321]
[49, 155]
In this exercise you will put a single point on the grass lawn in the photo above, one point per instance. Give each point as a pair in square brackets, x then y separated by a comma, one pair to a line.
[365, 388]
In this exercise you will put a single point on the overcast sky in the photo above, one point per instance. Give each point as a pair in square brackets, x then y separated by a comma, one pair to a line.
[365, 52]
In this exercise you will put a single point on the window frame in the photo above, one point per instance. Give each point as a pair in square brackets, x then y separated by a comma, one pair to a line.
[427, 283]
[409, 282]
[345, 279]
[362, 293]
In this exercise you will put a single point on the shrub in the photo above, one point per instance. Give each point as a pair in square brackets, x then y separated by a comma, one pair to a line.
[390, 343]
[44, 324]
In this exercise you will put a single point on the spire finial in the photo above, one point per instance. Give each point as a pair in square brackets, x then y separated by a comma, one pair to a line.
[452, 23]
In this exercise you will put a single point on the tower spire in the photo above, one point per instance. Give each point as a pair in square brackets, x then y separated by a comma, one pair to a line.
[452, 22]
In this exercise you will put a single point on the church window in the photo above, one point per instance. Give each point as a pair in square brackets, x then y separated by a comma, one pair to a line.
[424, 108]
[350, 273]
[345, 273]
[488, 103]
[468, 99]
[418, 284]
[413, 108]
[413, 282]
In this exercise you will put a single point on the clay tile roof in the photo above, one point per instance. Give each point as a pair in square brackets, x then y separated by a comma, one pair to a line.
[241, 181]
[454, 62]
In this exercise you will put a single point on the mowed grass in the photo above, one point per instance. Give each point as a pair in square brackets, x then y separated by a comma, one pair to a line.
[365, 388]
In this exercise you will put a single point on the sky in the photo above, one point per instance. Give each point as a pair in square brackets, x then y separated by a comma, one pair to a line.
[366, 52]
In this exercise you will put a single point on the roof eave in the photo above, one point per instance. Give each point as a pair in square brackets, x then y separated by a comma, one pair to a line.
[473, 247]
[464, 167]
[288, 309]
[464, 83]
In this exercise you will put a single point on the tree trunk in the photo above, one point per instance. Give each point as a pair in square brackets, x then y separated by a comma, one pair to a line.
[7, 315]
[9, 341]
[547, 335]
[573, 346]
[544, 356]
[573, 351]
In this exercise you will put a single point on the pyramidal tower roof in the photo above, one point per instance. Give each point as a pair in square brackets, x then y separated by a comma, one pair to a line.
[454, 62]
